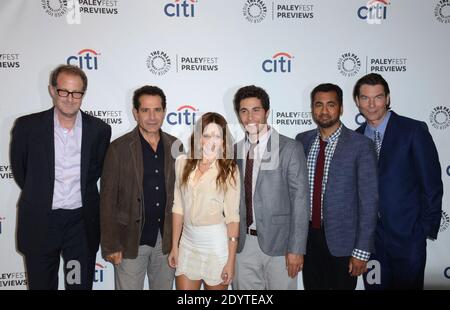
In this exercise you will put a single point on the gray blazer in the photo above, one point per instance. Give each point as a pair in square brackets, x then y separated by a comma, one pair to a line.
[281, 198]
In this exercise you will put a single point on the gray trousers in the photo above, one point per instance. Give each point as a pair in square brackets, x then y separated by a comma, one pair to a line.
[130, 274]
[258, 271]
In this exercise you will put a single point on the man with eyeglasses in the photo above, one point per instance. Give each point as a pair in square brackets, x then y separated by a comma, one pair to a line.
[57, 158]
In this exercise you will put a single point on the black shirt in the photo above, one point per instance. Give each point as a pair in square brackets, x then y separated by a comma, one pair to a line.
[154, 192]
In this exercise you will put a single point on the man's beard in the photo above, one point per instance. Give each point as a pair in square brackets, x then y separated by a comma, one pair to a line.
[326, 124]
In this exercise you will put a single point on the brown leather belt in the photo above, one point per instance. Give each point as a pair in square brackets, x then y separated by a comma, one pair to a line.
[252, 232]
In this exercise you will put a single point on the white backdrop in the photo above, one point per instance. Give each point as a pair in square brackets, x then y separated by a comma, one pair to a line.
[201, 51]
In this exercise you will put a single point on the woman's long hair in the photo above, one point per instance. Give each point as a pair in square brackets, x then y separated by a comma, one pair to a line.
[225, 163]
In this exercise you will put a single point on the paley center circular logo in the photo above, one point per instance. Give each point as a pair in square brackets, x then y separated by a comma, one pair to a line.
[359, 119]
[55, 8]
[442, 11]
[255, 11]
[445, 221]
[440, 117]
[158, 62]
[349, 64]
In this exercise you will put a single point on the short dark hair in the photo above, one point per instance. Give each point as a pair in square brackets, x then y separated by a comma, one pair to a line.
[251, 91]
[68, 69]
[371, 79]
[151, 91]
[325, 88]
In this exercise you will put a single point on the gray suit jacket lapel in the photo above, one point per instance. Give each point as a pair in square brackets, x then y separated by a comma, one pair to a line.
[271, 156]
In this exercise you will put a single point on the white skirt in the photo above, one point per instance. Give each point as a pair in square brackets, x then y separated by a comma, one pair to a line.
[203, 253]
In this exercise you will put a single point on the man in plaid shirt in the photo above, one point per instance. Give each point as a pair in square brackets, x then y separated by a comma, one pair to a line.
[342, 167]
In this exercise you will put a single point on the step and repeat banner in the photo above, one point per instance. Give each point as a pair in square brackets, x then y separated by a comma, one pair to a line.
[201, 51]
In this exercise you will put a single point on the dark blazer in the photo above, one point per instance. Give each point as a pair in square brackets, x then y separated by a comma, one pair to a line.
[122, 196]
[410, 185]
[350, 201]
[32, 153]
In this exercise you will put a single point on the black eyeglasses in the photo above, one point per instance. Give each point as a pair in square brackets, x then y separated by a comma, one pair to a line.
[65, 93]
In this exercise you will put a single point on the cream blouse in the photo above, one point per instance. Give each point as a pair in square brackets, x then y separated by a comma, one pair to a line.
[202, 202]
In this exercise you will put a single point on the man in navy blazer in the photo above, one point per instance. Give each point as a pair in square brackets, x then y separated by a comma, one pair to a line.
[410, 188]
[57, 158]
[344, 196]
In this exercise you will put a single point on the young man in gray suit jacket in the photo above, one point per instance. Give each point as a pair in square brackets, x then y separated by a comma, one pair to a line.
[343, 182]
[274, 207]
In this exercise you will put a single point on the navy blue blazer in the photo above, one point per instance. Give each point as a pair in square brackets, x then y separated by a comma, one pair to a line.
[32, 155]
[350, 201]
[410, 185]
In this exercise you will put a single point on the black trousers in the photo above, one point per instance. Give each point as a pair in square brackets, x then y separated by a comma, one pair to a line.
[323, 271]
[66, 237]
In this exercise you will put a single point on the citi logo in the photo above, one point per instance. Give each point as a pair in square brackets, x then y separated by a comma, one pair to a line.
[180, 8]
[86, 59]
[99, 273]
[1, 219]
[374, 11]
[185, 115]
[280, 62]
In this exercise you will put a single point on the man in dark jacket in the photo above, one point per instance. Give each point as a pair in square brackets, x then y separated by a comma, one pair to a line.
[57, 158]
[137, 189]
